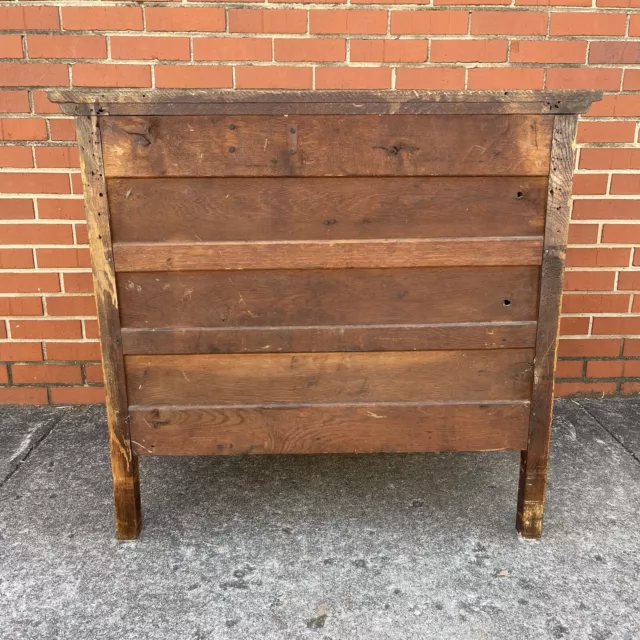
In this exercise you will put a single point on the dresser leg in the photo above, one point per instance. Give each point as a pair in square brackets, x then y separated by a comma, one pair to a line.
[126, 493]
[531, 491]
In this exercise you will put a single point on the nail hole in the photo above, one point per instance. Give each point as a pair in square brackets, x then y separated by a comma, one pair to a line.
[292, 130]
[232, 127]
[232, 149]
[506, 303]
[519, 195]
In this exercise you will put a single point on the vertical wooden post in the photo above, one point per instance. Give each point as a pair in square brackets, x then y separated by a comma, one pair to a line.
[533, 461]
[124, 465]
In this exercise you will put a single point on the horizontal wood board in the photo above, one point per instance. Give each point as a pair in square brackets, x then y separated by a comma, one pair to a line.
[399, 145]
[364, 428]
[399, 376]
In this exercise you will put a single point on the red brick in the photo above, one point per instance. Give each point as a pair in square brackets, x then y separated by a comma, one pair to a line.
[589, 347]
[23, 129]
[430, 78]
[11, 46]
[595, 303]
[76, 183]
[63, 258]
[58, 46]
[36, 329]
[16, 157]
[636, 304]
[77, 395]
[71, 306]
[564, 389]
[516, 78]
[618, 3]
[14, 101]
[21, 306]
[55, 209]
[614, 52]
[36, 234]
[620, 106]
[574, 326]
[553, 51]
[554, 3]
[625, 184]
[16, 209]
[522, 23]
[111, 75]
[621, 233]
[91, 329]
[347, 21]
[185, 18]
[429, 22]
[353, 78]
[630, 388]
[629, 280]
[589, 280]
[606, 208]
[23, 395]
[571, 78]
[149, 48]
[634, 25]
[29, 282]
[232, 49]
[42, 104]
[631, 347]
[29, 18]
[81, 234]
[636, 263]
[57, 157]
[614, 158]
[631, 80]
[35, 74]
[273, 77]
[197, 77]
[93, 373]
[72, 351]
[20, 351]
[34, 183]
[4, 376]
[605, 368]
[589, 184]
[471, 2]
[62, 129]
[267, 21]
[78, 283]
[616, 325]
[312, 50]
[102, 18]
[589, 131]
[3, 329]
[569, 369]
[468, 50]
[583, 233]
[588, 24]
[46, 373]
[595, 257]
[388, 50]
[16, 258]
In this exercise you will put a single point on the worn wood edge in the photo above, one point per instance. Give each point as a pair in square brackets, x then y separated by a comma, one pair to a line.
[533, 464]
[124, 464]
[328, 254]
[328, 427]
[442, 337]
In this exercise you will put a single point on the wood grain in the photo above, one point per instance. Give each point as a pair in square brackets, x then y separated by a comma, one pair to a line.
[533, 464]
[250, 209]
[330, 377]
[492, 335]
[327, 297]
[124, 465]
[330, 428]
[404, 145]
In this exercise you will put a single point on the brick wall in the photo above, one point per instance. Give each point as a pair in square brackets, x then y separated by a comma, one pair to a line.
[48, 347]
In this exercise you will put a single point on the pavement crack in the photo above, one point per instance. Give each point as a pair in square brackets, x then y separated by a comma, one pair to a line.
[613, 435]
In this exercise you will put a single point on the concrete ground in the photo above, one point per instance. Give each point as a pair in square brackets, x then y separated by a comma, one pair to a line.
[328, 547]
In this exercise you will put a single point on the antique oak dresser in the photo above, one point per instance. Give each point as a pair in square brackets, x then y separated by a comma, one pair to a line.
[327, 272]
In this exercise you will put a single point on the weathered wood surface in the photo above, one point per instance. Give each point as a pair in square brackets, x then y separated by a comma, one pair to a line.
[327, 297]
[124, 464]
[330, 428]
[328, 254]
[533, 464]
[232, 209]
[397, 376]
[491, 335]
[323, 146]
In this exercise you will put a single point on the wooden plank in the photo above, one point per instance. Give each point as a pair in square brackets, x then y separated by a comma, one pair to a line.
[261, 209]
[533, 464]
[490, 335]
[328, 377]
[330, 428]
[327, 297]
[328, 254]
[124, 464]
[324, 146]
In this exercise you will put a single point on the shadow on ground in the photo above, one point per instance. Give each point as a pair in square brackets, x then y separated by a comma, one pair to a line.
[328, 547]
